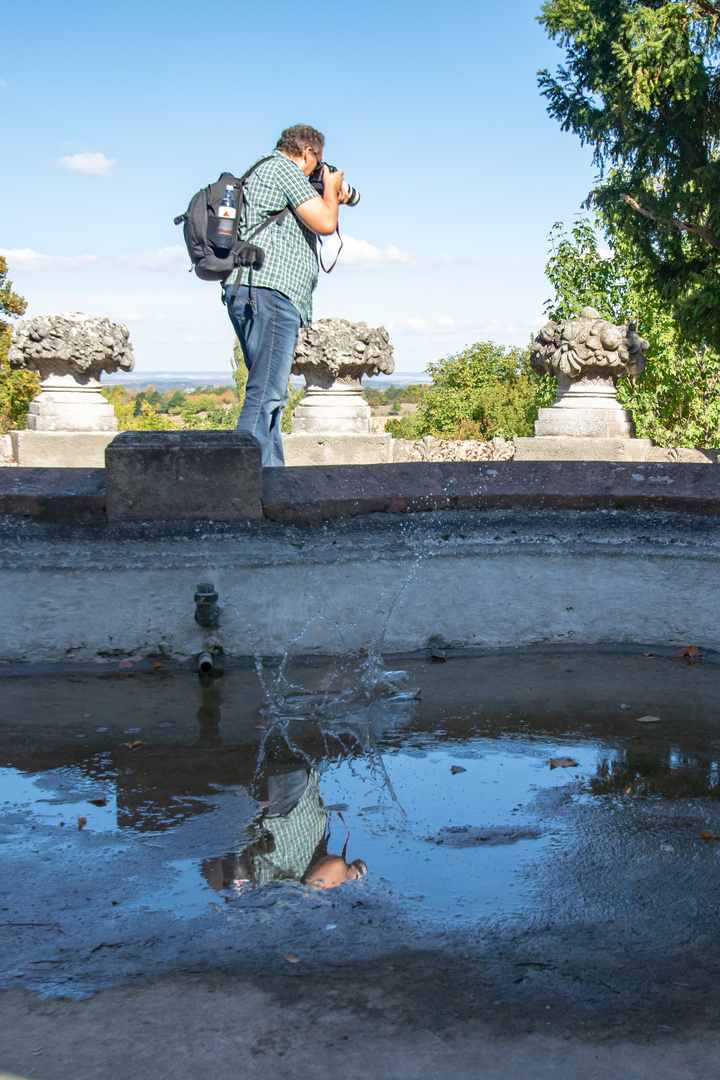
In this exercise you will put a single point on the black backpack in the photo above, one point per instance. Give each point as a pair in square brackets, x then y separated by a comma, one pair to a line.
[200, 229]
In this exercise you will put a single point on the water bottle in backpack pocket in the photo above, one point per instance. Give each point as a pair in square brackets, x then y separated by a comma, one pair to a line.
[223, 227]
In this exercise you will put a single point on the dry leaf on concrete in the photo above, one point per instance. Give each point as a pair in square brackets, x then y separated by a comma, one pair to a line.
[563, 763]
[157, 664]
[709, 836]
[134, 744]
[292, 958]
[648, 720]
[82, 822]
[454, 769]
[688, 651]
[125, 664]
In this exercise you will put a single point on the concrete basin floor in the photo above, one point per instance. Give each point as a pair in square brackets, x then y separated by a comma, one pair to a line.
[518, 917]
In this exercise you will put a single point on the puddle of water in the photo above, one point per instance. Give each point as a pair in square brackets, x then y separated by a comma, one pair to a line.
[430, 789]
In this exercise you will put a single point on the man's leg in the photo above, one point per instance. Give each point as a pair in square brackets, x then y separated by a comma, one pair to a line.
[267, 336]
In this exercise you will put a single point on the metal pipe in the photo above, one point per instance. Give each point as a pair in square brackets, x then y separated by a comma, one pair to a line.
[206, 664]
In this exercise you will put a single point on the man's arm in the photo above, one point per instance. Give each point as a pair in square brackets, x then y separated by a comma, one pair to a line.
[321, 214]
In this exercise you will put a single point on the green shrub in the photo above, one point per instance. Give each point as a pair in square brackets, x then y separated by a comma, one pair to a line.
[484, 391]
[405, 428]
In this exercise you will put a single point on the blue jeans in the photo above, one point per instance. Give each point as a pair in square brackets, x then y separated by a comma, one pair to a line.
[268, 333]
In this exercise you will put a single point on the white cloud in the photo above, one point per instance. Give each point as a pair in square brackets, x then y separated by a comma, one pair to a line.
[167, 258]
[360, 255]
[26, 259]
[88, 164]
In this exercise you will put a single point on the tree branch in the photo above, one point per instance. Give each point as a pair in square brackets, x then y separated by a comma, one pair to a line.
[708, 8]
[675, 223]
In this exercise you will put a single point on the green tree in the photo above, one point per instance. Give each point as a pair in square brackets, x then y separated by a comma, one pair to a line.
[17, 388]
[175, 400]
[415, 393]
[237, 362]
[484, 391]
[297, 393]
[641, 85]
[676, 400]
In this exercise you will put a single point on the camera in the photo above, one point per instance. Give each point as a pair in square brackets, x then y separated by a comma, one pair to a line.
[316, 179]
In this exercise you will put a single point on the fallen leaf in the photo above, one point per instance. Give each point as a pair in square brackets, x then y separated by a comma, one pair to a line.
[563, 763]
[454, 769]
[100, 801]
[648, 720]
[82, 822]
[292, 958]
[439, 656]
[260, 727]
[688, 651]
[157, 664]
[649, 653]
[133, 744]
[125, 664]
[709, 836]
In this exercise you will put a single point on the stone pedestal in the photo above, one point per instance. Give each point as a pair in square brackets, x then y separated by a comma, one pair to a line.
[339, 408]
[579, 448]
[586, 407]
[69, 403]
[307, 449]
[69, 423]
[333, 355]
[61, 449]
[586, 422]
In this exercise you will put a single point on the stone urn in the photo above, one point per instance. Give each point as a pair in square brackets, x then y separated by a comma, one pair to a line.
[71, 351]
[587, 355]
[333, 355]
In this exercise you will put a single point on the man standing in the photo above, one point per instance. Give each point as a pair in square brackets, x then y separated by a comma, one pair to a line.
[267, 307]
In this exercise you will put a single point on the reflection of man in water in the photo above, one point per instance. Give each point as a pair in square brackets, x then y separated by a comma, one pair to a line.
[291, 840]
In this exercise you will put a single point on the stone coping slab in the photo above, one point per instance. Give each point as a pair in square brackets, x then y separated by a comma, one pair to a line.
[60, 495]
[306, 495]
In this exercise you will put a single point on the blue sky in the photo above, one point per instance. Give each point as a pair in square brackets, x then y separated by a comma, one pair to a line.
[114, 115]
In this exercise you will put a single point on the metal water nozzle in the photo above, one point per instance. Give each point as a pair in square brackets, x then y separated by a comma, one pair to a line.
[206, 599]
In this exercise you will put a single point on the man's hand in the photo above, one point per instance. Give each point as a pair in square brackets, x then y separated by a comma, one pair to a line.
[321, 214]
[333, 181]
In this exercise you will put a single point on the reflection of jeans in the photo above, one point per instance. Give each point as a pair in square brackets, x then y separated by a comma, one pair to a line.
[285, 790]
[267, 333]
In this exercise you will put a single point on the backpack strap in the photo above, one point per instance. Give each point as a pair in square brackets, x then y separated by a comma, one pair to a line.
[269, 220]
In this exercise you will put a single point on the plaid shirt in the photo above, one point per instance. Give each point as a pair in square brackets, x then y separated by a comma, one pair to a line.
[291, 265]
[296, 836]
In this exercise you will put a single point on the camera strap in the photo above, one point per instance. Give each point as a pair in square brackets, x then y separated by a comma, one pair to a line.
[320, 258]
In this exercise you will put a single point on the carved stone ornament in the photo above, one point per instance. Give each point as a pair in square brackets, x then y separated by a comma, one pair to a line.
[333, 355]
[431, 449]
[71, 351]
[588, 343]
[588, 355]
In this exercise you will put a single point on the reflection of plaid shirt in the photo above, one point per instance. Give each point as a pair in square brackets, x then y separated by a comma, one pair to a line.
[291, 265]
[296, 836]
